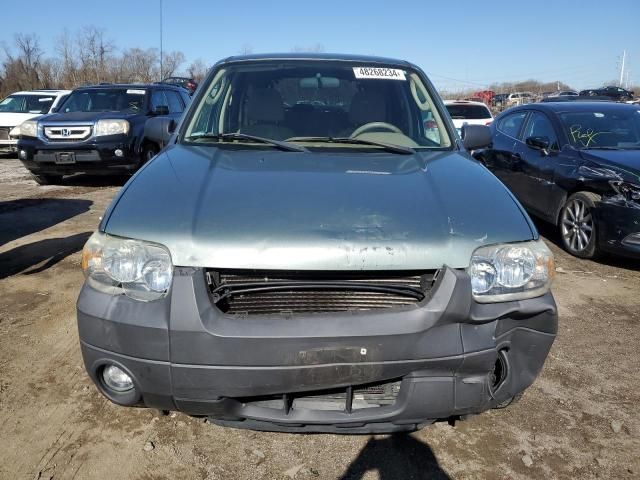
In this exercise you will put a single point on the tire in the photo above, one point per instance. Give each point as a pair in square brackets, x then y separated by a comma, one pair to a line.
[149, 151]
[577, 225]
[47, 179]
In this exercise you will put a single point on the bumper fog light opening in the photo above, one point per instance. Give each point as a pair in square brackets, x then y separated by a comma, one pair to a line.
[22, 154]
[499, 373]
[116, 379]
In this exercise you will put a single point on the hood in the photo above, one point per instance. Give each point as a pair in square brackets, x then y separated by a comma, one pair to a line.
[8, 119]
[627, 161]
[316, 211]
[85, 117]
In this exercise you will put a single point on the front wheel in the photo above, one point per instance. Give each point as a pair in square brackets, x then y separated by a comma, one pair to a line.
[578, 225]
[150, 150]
[46, 179]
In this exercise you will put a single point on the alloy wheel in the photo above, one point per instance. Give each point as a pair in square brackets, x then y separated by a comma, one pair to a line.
[577, 225]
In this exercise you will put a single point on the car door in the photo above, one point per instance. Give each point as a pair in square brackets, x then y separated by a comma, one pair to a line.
[537, 167]
[503, 159]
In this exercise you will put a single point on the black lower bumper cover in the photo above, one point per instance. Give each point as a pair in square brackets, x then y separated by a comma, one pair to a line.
[443, 351]
[93, 158]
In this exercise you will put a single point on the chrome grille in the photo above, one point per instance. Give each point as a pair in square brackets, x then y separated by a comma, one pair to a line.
[72, 133]
[308, 292]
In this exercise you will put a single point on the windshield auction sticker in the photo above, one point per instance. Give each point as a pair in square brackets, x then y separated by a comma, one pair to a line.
[135, 92]
[379, 73]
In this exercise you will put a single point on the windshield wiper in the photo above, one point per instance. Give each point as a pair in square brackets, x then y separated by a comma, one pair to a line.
[358, 141]
[287, 147]
[603, 148]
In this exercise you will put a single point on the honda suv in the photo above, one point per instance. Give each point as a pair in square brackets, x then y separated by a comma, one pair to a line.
[98, 129]
[303, 256]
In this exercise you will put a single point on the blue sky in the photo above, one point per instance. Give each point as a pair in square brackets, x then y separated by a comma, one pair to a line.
[459, 43]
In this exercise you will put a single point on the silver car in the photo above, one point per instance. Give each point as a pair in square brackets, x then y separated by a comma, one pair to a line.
[305, 256]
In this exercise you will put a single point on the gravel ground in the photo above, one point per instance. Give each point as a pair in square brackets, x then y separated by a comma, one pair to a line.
[579, 420]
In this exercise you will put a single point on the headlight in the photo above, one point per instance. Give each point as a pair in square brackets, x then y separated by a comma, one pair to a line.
[15, 131]
[28, 129]
[511, 271]
[138, 269]
[111, 127]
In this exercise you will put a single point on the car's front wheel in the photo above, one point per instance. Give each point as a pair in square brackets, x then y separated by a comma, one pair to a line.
[150, 150]
[578, 225]
[46, 179]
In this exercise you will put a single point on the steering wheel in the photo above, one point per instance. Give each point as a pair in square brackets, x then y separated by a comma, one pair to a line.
[373, 126]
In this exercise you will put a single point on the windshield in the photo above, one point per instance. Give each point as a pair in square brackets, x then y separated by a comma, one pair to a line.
[607, 128]
[469, 112]
[298, 100]
[26, 104]
[127, 100]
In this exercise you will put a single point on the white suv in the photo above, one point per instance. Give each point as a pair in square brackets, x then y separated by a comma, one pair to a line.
[466, 112]
[520, 98]
[21, 106]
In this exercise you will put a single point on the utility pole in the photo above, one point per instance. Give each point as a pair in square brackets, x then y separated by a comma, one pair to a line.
[161, 69]
[624, 54]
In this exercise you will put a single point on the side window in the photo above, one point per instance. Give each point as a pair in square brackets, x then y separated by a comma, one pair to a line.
[158, 99]
[511, 124]
[175, 104]
[540, 126]
[186, 99]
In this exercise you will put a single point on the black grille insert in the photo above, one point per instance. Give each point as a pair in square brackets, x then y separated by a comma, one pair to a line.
[262, 292]
[345, 399]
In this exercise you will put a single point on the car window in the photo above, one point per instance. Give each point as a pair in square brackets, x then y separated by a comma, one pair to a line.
[158, 99]
[511, 124]
[127, 100]
[175, 104]
[470, 112]
[186, 99]
[320, 99]
[61, 99]
[604, 127]
[539, 125]
[26, 104]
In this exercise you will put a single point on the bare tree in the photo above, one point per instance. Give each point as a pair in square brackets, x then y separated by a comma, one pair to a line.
[171, 61]
[197, 70]
[140, 65]
[94, 52]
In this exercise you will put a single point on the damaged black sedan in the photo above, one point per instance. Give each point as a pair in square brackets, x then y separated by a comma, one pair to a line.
[576, 165]
[306, 256]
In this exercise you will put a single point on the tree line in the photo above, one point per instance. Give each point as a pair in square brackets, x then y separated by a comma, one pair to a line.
[86, 57]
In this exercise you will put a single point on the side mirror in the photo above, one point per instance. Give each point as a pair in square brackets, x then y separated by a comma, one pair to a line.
[54, 109]
[159, 130]
[475, 136]
[539, 143]
[161, 110]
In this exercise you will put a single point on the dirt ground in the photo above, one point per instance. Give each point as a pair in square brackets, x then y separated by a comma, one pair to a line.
[579, 420]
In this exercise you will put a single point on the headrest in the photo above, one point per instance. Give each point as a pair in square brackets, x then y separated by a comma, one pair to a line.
[265, 105]
[367, 107]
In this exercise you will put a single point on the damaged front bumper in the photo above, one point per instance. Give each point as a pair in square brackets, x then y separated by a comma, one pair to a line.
[619, 223]
[370, 371]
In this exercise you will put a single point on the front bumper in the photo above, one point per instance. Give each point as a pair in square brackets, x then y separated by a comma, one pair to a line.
[94, 157]
[184, 354]
[8, 146]
[619, 228]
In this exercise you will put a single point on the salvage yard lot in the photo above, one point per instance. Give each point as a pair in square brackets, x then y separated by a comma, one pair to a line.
[579, 420]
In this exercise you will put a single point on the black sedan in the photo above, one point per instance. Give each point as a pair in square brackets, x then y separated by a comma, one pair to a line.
[576, 165]
[612, 92]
